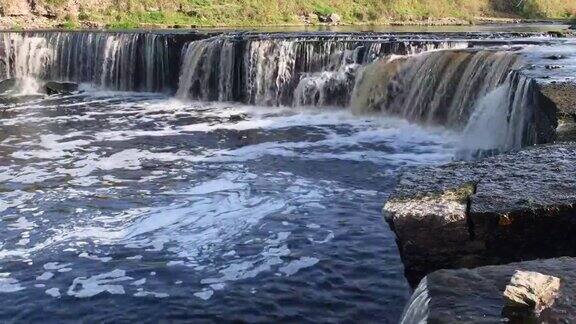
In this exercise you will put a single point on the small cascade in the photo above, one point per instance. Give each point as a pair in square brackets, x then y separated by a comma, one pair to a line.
[32, 56]
[503, 120]
[439, 88]
[119, 61]
[326, 88]
[208, 70]
[285, 71]
[416, 311]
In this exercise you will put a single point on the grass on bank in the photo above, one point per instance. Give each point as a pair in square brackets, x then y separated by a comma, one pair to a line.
[185, 13]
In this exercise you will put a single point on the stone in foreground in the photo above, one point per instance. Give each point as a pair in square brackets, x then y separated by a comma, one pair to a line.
[508, 208]
[476, 296]
[529, 294]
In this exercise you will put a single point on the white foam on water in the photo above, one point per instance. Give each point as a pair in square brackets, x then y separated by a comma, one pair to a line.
[196, 226]
[9, 285]
[56, 265]
[21, 224]
[139, 282]
[54, 292]
[107, 282]
[45, 276]
[86, 255]
[296, 265]
[205, 294]
[144, 293]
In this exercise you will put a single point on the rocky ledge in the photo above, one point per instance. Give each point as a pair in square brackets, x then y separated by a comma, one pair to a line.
[503, 209]
[478, 295]
[562, 95]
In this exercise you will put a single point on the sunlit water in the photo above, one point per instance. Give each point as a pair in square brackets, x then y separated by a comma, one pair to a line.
[138, 207]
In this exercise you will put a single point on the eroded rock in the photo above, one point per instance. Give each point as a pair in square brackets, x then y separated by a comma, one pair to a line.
[529, 294]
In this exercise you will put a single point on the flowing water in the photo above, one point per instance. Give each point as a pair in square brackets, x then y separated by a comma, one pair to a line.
[243, 183]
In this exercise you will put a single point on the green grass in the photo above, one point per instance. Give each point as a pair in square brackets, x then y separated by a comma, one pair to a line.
[135, 13]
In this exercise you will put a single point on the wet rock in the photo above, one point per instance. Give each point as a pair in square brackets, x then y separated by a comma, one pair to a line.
[53, 87]
[558, 33]
[332, 18]
[553, 67]
[562, 94]
[521, 207]
[476, 296]
[555, 57]
[8, 85]
[432, 228]
[529, 294]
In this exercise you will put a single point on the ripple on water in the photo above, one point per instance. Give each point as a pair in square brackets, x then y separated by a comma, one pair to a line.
[213, 211]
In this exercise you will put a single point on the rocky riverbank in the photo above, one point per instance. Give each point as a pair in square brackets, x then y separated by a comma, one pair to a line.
[508, 208]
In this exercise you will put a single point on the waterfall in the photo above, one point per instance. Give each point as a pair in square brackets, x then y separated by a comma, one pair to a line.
[431, 82]
[505, 119]
[438, 88]
[31, 58]
[417, 310]
[285, 71]
[207, 71]
[119, 61]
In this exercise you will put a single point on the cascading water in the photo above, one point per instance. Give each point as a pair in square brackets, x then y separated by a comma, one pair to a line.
[416, 311]
[31, 56]
[504, 119]
[119, 61]
[433, 88]
[115, 200]
[207, 70]
[285, 71]
[429, 82]
[436, 83]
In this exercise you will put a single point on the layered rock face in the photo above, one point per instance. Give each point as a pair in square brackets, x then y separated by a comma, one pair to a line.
[503, 209]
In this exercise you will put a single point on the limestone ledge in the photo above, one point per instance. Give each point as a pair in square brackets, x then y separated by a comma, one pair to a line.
[507, 208]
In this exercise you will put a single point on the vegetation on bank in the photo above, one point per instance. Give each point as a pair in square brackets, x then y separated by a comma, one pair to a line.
[186, 13]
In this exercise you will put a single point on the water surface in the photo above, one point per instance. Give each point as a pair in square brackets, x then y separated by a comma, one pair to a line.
[138, 207]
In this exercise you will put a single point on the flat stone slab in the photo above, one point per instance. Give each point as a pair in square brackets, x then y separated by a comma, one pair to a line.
[477, 295]
[508, 208]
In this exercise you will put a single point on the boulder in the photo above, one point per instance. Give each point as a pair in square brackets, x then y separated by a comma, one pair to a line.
[529, 294]
[53, 87]
[476, 295]
[334, 18]
[8, 85]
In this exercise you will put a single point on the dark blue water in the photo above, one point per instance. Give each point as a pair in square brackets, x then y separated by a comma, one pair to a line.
[123, 207]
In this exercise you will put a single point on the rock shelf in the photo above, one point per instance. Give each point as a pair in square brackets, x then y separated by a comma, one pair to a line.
[508, 208]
